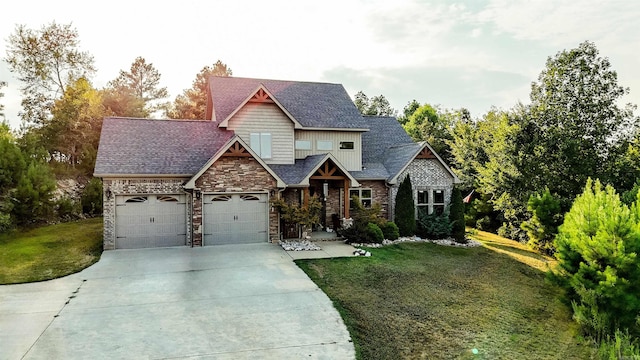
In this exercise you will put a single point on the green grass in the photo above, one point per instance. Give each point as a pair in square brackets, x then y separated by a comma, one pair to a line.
[49, 252]
[425, 301]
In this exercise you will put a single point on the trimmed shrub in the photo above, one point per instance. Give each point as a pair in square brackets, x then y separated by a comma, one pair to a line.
[374, 234]
[390, 230]
[456, 216]
[434, 226]
[405, 210]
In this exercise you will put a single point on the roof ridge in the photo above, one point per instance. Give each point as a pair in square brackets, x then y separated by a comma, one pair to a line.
[154, 119]
[278, 80]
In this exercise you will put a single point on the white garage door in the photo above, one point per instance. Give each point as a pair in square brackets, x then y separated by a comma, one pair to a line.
[235, 219]
[150, 221]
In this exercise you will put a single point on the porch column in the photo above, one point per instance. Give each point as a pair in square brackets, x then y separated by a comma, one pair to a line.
[305, 197]
[347, 183]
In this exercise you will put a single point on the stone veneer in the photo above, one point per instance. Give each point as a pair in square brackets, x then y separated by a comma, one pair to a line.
[136, 187]
[426, 174]
[380, 194]
[231, 174]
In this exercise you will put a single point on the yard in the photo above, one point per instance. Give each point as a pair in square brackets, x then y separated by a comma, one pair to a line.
[49, 252]
[425, 301]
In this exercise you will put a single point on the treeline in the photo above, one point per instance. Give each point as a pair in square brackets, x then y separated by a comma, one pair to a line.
[62, 115]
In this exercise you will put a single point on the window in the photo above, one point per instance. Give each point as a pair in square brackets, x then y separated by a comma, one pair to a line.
[261, 144]
[303, 145]
[365, 196]
[429, 202]
[422, 203]
[324, 145]
[346, 145]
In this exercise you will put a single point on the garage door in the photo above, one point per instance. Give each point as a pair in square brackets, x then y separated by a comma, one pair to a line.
[150, 221]
[235, 219]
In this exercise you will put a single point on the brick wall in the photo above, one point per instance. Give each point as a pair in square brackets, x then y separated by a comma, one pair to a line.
[135, 187]
[426, 174]
[380, 194]
[234, 174]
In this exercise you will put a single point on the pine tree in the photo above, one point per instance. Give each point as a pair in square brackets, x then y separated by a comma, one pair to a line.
[405, 213]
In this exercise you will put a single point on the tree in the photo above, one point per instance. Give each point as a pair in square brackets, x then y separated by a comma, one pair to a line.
[542, 227]
[409, 109]
[73, 133]
[32, 198]
[428, 123]
[376, 106]
[192, 103]
[142, 81]
[123, 103]
[45, 61]
[2, 84]
[405, 209]
[597, 251]
[456, 216]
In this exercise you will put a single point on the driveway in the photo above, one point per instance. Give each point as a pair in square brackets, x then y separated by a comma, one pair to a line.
[219, 302]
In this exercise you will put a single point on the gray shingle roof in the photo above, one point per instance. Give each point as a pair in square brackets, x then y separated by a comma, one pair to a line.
[371, 171]
[312, 104]
[384, 132]
[295, 173]
[146, 146]
[396, 157]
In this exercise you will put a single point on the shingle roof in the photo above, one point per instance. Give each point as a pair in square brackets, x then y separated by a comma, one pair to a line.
[384, 132]
[145, 146]
[295, 173]
[312, 104]
[396, 157]
[371, 171]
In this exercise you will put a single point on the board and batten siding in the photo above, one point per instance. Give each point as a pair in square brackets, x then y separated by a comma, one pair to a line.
[266, 118]
[350, 159]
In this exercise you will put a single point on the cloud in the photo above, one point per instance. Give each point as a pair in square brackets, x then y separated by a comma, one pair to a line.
[476, 89]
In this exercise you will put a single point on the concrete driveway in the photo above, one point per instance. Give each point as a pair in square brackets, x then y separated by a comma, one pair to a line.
[220, 302]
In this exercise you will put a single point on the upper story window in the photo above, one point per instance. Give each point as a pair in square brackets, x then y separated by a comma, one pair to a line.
[324, 145]
[346, 145]
[261, 144]
[303, 145]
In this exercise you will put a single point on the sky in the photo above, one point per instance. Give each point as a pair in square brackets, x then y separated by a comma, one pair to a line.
[473, 54]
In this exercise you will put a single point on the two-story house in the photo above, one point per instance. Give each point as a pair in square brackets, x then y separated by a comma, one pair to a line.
[207, 182]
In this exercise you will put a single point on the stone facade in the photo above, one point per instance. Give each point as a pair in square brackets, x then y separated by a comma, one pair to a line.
[117, 187]
[230, 174]
[426, 174]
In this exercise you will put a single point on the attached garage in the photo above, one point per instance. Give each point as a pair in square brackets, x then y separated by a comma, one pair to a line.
[144, 221]
[235, 218]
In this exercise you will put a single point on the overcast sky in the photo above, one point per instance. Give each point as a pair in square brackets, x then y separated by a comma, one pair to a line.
[473, 54]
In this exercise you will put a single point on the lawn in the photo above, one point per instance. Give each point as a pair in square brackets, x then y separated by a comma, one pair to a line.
[426, 301]
[49, 252]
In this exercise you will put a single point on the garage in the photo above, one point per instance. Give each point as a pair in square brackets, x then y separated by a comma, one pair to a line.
[145, 221]
[235, 218]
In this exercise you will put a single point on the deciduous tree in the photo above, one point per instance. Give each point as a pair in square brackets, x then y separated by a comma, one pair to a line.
[376, 106]
[45, 60]
[192, 103]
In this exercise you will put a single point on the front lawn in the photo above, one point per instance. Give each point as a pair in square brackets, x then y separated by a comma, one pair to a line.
[49, 252]
[426, 301]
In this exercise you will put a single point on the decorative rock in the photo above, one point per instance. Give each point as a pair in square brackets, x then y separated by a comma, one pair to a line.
[302, 245]
[445, 242]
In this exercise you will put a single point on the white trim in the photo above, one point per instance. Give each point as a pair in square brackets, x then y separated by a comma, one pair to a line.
[224, 123]
[191, 184]
[424, 144]
[305, 180]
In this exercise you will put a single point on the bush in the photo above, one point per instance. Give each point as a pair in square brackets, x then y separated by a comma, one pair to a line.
[32, 197]
[66, 208]
[390, 230]
[622, 346]
[456, 216]
[543, 225]
[374, 234]
[91, 198]
[405, 210]
[597, 248]
[434, 226]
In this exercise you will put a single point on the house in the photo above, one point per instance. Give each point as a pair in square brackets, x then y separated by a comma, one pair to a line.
[207, 182]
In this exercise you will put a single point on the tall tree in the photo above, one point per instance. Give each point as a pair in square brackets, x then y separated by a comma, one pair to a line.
[408, 110]
[405, 209]
[192, 103]
[143, 81]
[2, 84]
[430, 124]
[45, 60]
[123, 103]
[376, 106]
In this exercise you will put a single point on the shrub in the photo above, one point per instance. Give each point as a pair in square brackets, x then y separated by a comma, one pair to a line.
[433, 226]
[32, 197]
[543, 225]
[374, 234]
[91, 198]
[597, 249]
[66, 208]
[405, 210]
[390, 230]
[456, 216]
[622, 346]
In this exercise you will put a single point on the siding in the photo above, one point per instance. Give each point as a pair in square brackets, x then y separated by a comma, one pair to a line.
[266, 118]
[351, 159]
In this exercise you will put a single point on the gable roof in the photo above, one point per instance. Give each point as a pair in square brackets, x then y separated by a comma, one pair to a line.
[313, 105]
[235, 139]
[298, 174]
[131, 146]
